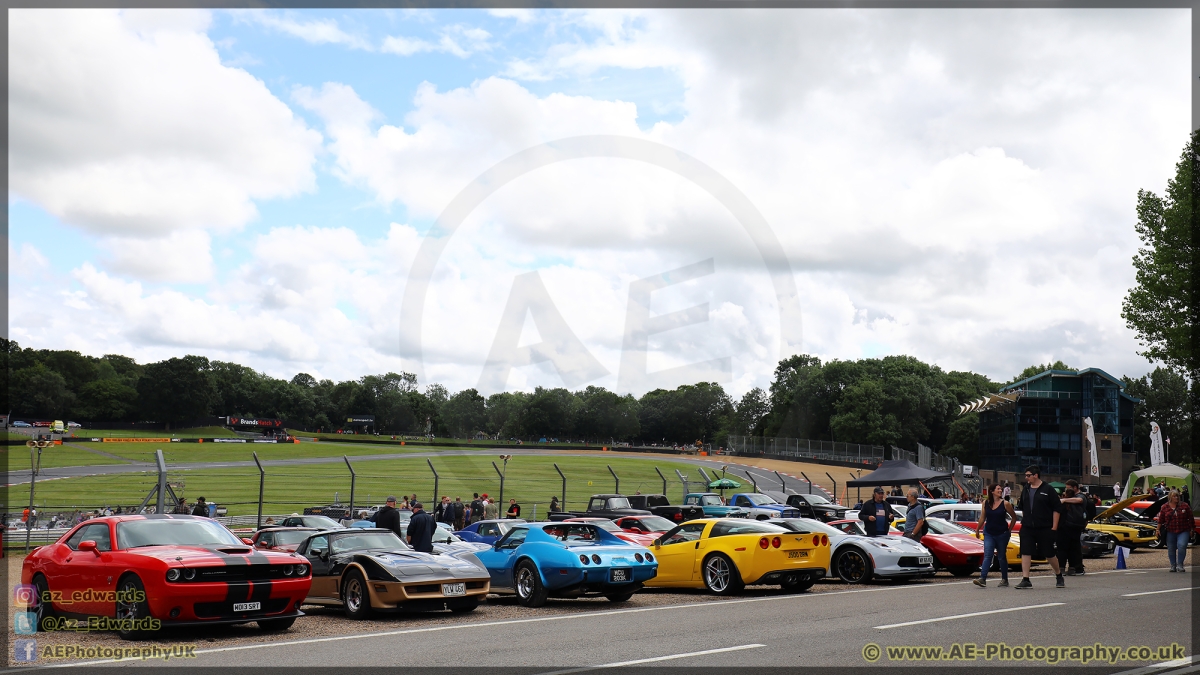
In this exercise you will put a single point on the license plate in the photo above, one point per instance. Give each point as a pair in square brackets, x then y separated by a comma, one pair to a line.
[925, 560]
[619, 575]
[797, 554]
[454, 589]
[247, 606]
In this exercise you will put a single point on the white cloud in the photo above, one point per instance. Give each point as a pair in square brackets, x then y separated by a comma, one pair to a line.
[127, 123]
[461, 41]
[316, 31]
[183, 256]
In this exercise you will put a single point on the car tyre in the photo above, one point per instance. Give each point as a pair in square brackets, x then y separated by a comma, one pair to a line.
[130, 587]
[42, 608]
[721, 576]
[619, 597]
[531, 592]
[853, 566]
[356, 599]
[275, 625]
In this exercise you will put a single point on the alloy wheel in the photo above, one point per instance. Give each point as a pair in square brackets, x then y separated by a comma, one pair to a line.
[524, 582]
[716, 574]
[354, 595]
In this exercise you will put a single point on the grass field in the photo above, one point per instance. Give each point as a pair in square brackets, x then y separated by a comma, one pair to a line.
[529, 479]
[451, 442]
[176, 453]
[16, 457]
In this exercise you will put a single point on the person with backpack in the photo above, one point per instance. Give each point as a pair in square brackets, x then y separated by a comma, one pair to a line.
[476, 509]
[1075, 507]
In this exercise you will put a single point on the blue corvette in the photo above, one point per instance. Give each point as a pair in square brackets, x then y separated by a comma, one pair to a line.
[487, 531]
[566, 560]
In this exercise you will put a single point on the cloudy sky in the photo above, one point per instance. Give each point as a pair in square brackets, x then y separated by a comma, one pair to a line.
[263, 187]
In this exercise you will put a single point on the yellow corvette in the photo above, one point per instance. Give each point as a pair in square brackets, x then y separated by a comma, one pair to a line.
[724, 554]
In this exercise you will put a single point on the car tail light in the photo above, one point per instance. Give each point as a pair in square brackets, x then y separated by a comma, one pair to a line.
[595, 558]
[776, 542]
[764, 543]
[583, 559]
[824, 540]
[679, 515]
[649, 558]
[638, 557]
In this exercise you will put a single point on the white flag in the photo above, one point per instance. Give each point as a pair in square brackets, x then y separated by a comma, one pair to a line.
[1156, 445]
[1090, 440]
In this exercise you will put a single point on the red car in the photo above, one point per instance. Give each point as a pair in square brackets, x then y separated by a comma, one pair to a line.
[954, 549]
[606, 524]
[284, 539]
[655, 525]
[149, 572]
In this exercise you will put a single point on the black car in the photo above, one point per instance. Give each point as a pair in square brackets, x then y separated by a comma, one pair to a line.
[817, 507]
[1095, 543]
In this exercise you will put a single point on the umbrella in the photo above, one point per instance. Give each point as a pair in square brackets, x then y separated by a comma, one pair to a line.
[724, 484]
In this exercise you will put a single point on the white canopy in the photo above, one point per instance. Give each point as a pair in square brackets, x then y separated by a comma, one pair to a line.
[1146, 479]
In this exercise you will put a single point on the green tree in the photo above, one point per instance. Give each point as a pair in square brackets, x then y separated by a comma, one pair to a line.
[107, 400]
[465, 413]
[1035, 369]
[1163, 308]
[1164, 396]
[38, 391]
[750, 412]
[177, 391]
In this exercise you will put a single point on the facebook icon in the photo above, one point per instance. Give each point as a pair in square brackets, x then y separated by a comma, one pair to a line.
[25, 651]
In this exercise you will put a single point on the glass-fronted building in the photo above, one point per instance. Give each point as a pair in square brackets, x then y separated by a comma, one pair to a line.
[1045, 425]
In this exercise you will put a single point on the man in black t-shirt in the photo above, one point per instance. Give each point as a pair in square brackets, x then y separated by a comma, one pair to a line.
[514, 509]
[1039, 525]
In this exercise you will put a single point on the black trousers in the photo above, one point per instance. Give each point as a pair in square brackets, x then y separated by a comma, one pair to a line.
[1069, 548]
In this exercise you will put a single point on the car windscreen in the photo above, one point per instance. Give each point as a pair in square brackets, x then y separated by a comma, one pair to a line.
[938, 526]
[730, 526]
[283, 537]
[367, 540]
[710, 500]
[810, 525]
[135, 533]
[758, 499]
[655, 523]
[815, 499]
[322, 522]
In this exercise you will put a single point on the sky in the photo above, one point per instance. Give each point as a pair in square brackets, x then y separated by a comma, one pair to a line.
[504, 199]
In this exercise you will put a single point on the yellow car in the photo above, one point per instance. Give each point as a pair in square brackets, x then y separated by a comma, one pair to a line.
[724, 554]
[1129, 535]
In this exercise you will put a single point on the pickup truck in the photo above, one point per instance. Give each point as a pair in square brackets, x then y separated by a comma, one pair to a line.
[659, 505]
[813, 506]
[714, 507]
[763, 507]
[603, 506]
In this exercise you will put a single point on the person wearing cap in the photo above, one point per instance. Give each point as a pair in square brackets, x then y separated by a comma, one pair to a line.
[877, 515]
[388, 517]
[421, 529]
[201, 508]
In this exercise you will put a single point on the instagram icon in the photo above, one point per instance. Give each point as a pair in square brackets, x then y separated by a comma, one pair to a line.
[24, 595]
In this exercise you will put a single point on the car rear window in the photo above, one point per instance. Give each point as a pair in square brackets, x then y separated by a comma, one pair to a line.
[727, 527]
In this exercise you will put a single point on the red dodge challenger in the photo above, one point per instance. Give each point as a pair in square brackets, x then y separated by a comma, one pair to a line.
[136, 574]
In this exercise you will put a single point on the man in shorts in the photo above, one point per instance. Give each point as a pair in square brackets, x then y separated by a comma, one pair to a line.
[1039, 525]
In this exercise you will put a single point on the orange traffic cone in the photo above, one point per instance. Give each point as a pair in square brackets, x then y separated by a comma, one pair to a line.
[1121, 558]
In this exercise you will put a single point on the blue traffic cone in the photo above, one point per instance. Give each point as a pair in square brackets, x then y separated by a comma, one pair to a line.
[1121, 558]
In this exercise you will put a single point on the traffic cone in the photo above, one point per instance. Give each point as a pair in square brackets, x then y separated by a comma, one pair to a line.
[1121, 558]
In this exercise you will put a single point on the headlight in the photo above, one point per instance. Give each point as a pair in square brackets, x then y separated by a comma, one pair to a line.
[189, 573]
[173, 574]
[287, 570]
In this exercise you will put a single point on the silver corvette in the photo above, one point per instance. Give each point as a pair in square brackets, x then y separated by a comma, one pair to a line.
[857, 559]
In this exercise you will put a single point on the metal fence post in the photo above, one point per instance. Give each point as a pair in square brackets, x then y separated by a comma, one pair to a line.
[500, 473]
[617, 487]
[683, 479]
[751, 477]
[34, 468]
[809, 480]
[436, 478]
[261, 480]
[831, 480]
[162, 480]
[782, 482]
[664, 480]
[353, 476]
[564, 486]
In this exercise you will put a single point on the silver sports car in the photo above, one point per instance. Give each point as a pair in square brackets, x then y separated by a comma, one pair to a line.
[857, 559]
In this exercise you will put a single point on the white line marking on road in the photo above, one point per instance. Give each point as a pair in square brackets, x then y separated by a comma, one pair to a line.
[1158, 667]
[507, 622]
[653, 659]
[963, 616]
[1169, 590]
[1129, 574]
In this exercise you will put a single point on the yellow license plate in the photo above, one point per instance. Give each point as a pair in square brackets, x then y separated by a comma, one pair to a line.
[797, 554]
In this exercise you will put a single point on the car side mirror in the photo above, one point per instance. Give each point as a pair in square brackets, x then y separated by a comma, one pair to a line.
[88, 545]
[248, 541]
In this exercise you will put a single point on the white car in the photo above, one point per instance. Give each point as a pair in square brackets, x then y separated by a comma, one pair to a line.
[856, 559]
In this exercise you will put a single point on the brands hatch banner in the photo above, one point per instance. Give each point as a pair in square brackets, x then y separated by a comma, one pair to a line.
[248, 422]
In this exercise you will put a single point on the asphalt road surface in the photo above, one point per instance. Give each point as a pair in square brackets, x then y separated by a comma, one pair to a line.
[1119, 609]
[767, 480]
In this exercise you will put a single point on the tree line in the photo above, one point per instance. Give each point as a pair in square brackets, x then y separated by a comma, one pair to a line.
[893, 400]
